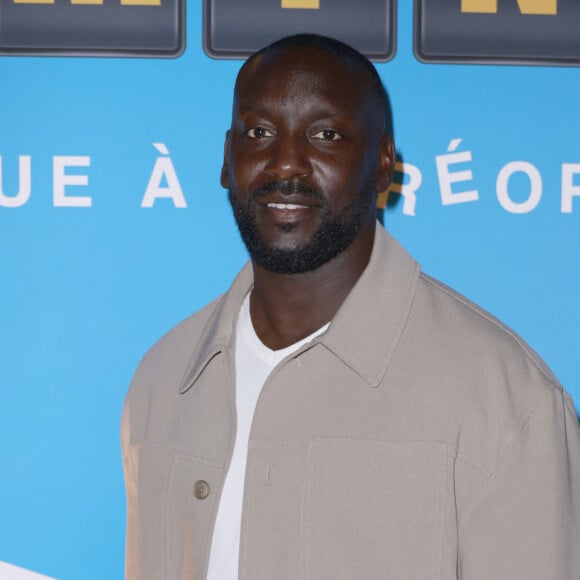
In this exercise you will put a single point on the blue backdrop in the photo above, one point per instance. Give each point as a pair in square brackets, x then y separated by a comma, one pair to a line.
[90, 276]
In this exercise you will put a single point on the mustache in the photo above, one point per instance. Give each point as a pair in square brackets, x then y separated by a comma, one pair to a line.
[287, 186]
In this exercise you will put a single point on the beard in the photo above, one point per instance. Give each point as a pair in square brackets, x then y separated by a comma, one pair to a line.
[334, 234]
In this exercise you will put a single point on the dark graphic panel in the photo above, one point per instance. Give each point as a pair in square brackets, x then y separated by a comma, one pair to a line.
[542, 32]
[237, 28]
[92, 27]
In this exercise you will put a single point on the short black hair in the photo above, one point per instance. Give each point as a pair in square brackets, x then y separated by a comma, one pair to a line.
[341, 51]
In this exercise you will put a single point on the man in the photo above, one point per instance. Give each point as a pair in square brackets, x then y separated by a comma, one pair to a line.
[337, 414]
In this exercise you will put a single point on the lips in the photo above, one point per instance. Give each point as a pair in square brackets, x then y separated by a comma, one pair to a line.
[286, 210]
[288, 202]
[291, 206]
[292, 201]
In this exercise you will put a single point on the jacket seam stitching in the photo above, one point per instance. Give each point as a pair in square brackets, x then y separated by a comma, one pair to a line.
[475, 466]
[511, 442]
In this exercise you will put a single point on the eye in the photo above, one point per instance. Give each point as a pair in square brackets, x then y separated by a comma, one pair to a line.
[258, 133]
[327, 135]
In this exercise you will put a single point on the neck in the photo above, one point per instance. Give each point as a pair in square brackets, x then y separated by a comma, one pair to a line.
[288, 307]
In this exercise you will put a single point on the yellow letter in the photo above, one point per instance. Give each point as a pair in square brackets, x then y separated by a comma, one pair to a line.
[479, 6]
[33, 1]
[538, 6]
[315, 4]
[141, 2]
[525, 6]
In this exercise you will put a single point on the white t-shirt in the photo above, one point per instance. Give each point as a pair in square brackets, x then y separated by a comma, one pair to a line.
[254, 362]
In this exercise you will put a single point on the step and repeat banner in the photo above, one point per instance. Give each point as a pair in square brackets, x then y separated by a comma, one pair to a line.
[113, 225]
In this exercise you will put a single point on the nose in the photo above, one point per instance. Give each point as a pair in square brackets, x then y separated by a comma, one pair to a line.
[288, 158]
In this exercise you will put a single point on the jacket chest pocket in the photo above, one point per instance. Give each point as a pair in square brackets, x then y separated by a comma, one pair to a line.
[373, 509]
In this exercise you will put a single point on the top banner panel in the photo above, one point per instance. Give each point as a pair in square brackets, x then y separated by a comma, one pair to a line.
[153, 28]
[237, 28]
[542, 32]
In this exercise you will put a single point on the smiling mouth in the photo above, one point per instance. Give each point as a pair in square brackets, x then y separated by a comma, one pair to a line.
[287, 206]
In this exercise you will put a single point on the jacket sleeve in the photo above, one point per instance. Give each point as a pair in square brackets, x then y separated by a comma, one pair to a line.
[526, 524]
[131, 496]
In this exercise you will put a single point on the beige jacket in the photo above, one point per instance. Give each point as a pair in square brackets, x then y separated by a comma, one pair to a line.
[416, 439]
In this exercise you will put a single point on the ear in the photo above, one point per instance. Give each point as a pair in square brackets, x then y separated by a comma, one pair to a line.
[225, 174]
[387, 160]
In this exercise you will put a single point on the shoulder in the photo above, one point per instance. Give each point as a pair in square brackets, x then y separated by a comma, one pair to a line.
[155, 383]
[491, 380]
[481, 340]
[174, 348]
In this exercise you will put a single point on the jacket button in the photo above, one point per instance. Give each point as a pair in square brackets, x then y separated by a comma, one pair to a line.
[201, 489]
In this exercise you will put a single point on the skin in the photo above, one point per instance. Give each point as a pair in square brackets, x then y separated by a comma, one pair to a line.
[305, 116]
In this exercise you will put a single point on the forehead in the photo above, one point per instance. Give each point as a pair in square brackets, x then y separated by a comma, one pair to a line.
[303, 74]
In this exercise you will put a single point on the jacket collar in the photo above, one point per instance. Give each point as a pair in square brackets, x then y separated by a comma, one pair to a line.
[363, 334]
[366, 329]
[218, 333]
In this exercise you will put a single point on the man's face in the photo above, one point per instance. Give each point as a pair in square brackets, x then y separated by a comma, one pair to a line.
[304, 158]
